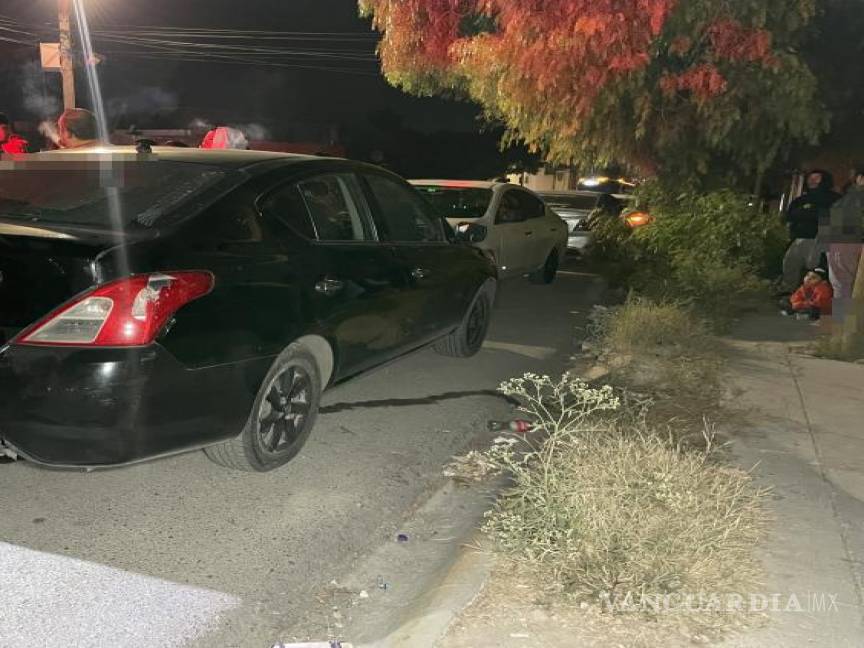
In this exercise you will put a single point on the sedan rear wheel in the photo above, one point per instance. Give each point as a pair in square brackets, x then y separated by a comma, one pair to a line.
[283, 417]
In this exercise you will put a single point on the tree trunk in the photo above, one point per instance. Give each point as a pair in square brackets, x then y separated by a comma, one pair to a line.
[760, 179]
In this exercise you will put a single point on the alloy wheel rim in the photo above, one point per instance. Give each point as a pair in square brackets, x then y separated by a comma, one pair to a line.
[284, 411]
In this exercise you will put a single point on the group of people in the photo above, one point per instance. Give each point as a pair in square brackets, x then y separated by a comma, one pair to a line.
[76, 128]
[827, 236]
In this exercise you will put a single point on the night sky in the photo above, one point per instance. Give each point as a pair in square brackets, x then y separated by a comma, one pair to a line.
[165, 91]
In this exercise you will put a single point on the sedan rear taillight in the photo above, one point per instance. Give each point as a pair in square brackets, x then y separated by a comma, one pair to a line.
[126, 312]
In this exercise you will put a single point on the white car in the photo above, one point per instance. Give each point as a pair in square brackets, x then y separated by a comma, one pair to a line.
[575, 208]
[511, 224]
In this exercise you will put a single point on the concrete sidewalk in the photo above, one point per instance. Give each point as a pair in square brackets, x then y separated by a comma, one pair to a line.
[803, 430]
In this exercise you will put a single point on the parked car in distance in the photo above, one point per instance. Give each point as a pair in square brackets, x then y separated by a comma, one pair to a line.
[157, 303]
[605, 184]
[576, 208]
[509, 223]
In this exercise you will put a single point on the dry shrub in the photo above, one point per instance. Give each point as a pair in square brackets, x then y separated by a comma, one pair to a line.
[605, 507]
[664, 349]
[644, 327]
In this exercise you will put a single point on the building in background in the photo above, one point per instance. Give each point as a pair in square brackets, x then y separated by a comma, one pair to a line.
[550, 178]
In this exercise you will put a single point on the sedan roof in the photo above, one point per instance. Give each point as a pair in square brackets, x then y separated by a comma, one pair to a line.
[564, 194]
[459, 184]
[226, 159]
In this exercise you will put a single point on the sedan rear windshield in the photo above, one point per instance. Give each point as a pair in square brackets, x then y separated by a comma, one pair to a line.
[100, 194]
[457, 202]
[582, 203]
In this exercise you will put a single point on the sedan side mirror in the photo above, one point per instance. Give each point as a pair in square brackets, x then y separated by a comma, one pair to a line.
[471, 232]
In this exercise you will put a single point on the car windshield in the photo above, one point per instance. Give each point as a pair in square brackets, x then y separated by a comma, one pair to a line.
[458, 202]
[580, 202]
[100, 195]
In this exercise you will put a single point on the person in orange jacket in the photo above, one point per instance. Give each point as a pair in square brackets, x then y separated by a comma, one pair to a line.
[10, 142]
[813, 298]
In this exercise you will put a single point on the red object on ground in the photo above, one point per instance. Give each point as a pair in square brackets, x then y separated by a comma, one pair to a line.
[14, 145]
[817, 296]
[517, 426]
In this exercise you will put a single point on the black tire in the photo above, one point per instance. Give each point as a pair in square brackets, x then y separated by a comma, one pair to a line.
[546, 274]
[282, 417]
[467, 340]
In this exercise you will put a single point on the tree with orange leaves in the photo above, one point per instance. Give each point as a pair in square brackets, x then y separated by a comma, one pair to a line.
[684, 88]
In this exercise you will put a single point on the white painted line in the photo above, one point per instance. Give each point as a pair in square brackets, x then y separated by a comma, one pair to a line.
[570, 273]
[538, 353]
[49, 600]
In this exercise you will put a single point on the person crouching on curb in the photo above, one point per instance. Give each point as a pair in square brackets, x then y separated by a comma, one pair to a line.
[812, 299]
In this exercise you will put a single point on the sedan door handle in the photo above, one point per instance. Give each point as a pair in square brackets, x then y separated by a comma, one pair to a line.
[329, 286]
[529, 233]
[420, 273]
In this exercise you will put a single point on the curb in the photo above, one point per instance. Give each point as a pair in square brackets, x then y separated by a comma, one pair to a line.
[430, 618]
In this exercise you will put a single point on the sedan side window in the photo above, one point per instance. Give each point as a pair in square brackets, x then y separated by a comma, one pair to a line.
[326, 207]
[530, 206]
[510, 210]
[334, 209]
[405, 215]
[286, 204]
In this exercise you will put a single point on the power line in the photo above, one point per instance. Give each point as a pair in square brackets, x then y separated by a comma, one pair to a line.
[233, 46]
[192, 47]
[217, 58]
[250, 32]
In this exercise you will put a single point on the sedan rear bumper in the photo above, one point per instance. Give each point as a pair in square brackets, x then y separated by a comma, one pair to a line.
[579, 242]
[102, 407]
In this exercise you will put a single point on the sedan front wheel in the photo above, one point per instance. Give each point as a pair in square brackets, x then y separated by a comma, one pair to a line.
[467, 340]
[547, 274]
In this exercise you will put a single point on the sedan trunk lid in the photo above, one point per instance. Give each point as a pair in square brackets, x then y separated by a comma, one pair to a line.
[40, 269]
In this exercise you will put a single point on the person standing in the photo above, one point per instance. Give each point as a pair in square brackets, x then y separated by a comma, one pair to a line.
[10, 143]
[845, 241]
[803, 218]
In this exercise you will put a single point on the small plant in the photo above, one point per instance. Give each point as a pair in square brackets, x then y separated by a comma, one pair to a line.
[561, 406]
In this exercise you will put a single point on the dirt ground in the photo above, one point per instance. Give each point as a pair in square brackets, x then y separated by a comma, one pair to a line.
[512, 612]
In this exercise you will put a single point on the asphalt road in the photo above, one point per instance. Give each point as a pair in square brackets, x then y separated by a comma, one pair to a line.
[180, 552]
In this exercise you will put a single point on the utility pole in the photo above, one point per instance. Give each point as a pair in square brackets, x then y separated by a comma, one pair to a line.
[67, 64]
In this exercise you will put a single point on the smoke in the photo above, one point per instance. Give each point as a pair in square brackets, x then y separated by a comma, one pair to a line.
[49, 131]
[199, 124]
[37, 98]
[145, 101]
[254, 131]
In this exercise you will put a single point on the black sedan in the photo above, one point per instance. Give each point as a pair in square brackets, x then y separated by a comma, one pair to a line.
[162, 302]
